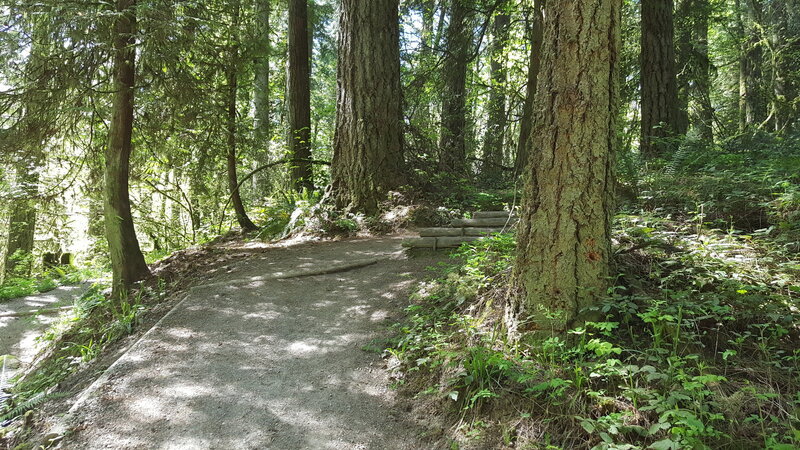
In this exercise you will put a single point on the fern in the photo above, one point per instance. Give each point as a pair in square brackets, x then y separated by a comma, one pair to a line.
[33, 402]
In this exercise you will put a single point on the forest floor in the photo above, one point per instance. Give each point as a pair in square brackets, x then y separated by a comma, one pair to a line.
[250, 361]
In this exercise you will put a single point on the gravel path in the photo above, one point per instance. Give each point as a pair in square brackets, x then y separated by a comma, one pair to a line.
[18, 334]
[265, 364]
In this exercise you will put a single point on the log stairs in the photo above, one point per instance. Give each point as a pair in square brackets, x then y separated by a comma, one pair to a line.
[481, 224]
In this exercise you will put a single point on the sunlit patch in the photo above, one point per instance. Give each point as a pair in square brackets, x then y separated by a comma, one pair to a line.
[189, 391]
[379, 316]
[148, 407]
[179, 332]
[302, 348]
[266, 315]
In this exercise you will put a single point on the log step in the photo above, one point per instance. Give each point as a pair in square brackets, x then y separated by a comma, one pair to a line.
[444, 231]
[438, 242]
[484, 223]
[490, 214]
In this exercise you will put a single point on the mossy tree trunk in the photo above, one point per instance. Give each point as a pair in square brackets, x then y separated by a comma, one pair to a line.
[564, 243]
[452, 137]
[299, 88]
[22, 218]
[785, 64]
[494, 138]
[41, 101]
[127, 260]
[694, 66]
[368, 139]
[753, 102]
[662, 118]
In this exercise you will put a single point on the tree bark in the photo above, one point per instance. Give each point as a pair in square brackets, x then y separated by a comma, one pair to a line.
[526, 121]
[752, 104]
[684, 58]
[22, 218]
[299, 87]
[231, 78]
[40, 103]
[494, 138]
[127, 260]
[452, 138]
[661, 117]
[564, 242]
[694, 67]
[368, 139]
[785, 24]
[702, 118]
[261, 124]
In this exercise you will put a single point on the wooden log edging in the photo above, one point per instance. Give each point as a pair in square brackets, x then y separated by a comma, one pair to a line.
[438, 242]
[462, 231]
[484, 223]
[491, 214]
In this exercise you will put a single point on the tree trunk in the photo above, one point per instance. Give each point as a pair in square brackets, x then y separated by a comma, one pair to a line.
[684, 57]
[753, 104]
[694, 67]
[22, 218]
[786, 50]
[41, 109]
[526, 121]
[564, 242]
[368, 140]
[261, 124]
[661, 118]
[299, 87]
[231, 78]
[494, 138]
[452, 138]
[127, 260]
[703, 116]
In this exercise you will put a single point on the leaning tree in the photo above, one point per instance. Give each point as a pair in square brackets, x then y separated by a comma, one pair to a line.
[127, 261]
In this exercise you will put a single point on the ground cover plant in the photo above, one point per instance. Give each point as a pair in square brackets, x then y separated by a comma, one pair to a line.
[696, 344]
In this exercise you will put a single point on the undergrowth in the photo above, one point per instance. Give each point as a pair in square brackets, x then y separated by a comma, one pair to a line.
[19, 285]
[697, 348]
[78, 337]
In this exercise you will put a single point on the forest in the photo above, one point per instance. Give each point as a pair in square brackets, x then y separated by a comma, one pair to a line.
[598, 203]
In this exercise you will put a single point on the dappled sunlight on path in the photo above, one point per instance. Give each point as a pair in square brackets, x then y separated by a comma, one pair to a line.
[265, 363]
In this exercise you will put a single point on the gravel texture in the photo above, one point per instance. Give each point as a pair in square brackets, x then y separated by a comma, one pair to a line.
[257, 363]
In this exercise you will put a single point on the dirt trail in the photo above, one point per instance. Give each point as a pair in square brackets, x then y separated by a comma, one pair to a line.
[18, 333]
[265, 364]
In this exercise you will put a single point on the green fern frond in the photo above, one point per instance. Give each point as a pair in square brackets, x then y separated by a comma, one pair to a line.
[33, 402]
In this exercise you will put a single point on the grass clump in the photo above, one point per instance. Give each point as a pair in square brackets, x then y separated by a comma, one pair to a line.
[20, 286]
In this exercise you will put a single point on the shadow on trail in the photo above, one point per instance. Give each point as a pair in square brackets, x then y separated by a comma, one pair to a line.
[265, 364]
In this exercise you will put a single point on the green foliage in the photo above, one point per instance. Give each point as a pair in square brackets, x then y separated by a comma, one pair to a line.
[14, 287]
[750, 182]
[696, 346]
[34, 402]
[78, 337]
[286, 212]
